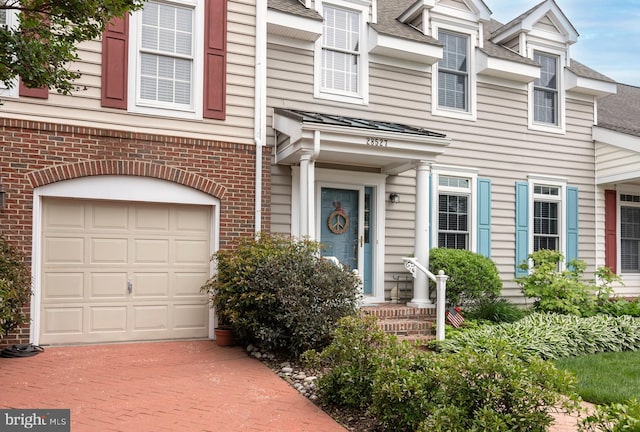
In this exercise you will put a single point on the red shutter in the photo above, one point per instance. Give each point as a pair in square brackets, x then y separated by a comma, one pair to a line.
[215, 59]
[115, 63]
[38, 92]
[610, 224]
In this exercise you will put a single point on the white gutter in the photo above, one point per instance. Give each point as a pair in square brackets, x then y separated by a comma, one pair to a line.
[260, 103]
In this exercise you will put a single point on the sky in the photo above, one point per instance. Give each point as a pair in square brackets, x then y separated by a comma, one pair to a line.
[609, 40]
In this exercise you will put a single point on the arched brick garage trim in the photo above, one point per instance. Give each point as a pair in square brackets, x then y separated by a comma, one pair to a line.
[118, 167]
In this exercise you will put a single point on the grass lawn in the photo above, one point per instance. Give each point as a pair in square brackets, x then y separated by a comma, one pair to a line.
[607, 377]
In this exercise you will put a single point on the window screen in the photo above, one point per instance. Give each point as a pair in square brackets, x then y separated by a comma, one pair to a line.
[340, 50]
[452, 71]
[545, 90]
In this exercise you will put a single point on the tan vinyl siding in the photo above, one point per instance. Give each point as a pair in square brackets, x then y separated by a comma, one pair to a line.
[546, 24]
[499, 145]
[83, 107]
[614, 160]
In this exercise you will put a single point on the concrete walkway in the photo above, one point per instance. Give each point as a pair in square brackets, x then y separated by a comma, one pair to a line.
[163, 386]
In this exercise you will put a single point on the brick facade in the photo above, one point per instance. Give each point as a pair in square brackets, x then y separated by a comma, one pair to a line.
[34, 154]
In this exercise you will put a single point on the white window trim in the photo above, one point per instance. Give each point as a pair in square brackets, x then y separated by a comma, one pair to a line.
[473, 202]
[197, 89]
[362, 96]
[562, 199]
[472, 95]
[623, 191]
[12, 91]
[560, 127]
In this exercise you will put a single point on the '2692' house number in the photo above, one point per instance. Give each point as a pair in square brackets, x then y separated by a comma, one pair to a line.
[377, 142]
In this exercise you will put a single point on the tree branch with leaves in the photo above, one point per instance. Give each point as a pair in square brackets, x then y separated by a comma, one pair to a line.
[43, 42]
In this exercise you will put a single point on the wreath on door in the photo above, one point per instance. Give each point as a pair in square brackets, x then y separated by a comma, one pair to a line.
[338, 221]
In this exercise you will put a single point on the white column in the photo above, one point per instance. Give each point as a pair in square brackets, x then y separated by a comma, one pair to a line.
[307, 195]
[421, 245]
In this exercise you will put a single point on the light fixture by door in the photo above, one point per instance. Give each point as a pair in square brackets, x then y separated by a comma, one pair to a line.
[3, 197]
[394, 197]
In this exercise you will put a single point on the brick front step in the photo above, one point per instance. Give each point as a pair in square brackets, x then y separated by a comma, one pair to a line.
[408, 323]
[399, 311]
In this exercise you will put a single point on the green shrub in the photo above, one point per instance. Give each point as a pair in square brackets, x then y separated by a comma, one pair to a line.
[407, 389]
[552, 336]
[279, 294]
[15, 288]
[613, 418]
[565, 291]
[351, 361]
[497, 311]
[473, 278]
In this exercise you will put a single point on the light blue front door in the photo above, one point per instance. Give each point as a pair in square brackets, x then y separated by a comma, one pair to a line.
[339, 225]
[344, 231]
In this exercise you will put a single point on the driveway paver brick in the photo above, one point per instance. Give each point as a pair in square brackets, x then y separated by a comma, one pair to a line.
[159, 386]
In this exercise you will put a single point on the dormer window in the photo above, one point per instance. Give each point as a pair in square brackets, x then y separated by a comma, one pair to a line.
[545, 88]
[340, 50]
[453, 75]
[340, 58]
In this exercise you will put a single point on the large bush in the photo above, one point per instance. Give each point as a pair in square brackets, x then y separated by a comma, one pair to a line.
[473, 278]
[15, 288]
[407, 389]
[279, 294]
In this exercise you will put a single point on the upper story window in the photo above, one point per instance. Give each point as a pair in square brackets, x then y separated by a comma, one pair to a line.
[454, 206]
[453, 74]
[166, 56]
[546, 217]
[340, 50]
[7, 20]
[341, 62]
[545, 89]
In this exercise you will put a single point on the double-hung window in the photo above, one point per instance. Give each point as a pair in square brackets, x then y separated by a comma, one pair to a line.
[453, 73]
[454, 206]
[630, 233]
[546, 217]
[545, 90]
[166, 56]
[341, 51]
[7, 20]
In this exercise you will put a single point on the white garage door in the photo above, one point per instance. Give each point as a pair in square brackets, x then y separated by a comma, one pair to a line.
[122, 271]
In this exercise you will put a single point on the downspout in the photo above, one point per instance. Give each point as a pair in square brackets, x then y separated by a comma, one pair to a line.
[260, 103]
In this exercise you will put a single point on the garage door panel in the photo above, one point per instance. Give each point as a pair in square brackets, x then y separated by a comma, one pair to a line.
[63, 286]
[193, 316]
[109, 251]
[108, 319]
[151, 251]
[63, 320]
[67, 215]
[151, 284]
[61, 250]
[189, 283]
[108, 285]
[92, 249]
[192, 220]
[110, 217]
[150, 317]
[192, 252]
[152, 219]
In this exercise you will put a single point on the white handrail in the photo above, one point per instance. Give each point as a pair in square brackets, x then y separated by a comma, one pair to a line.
[440, 279]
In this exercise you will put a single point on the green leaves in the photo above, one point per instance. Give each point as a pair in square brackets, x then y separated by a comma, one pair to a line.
[279, 294]
[43, 43]
[15, 288]
[552, 336]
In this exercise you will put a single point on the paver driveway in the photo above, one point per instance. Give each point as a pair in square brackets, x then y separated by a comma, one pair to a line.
[160, 386]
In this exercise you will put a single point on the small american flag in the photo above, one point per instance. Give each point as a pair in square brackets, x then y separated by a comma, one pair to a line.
[454, 316]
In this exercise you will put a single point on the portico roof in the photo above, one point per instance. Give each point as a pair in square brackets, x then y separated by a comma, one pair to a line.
[388, 146]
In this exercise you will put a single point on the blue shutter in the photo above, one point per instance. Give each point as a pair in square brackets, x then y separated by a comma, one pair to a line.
[484, 217]
[522, 226]
[572, 223]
